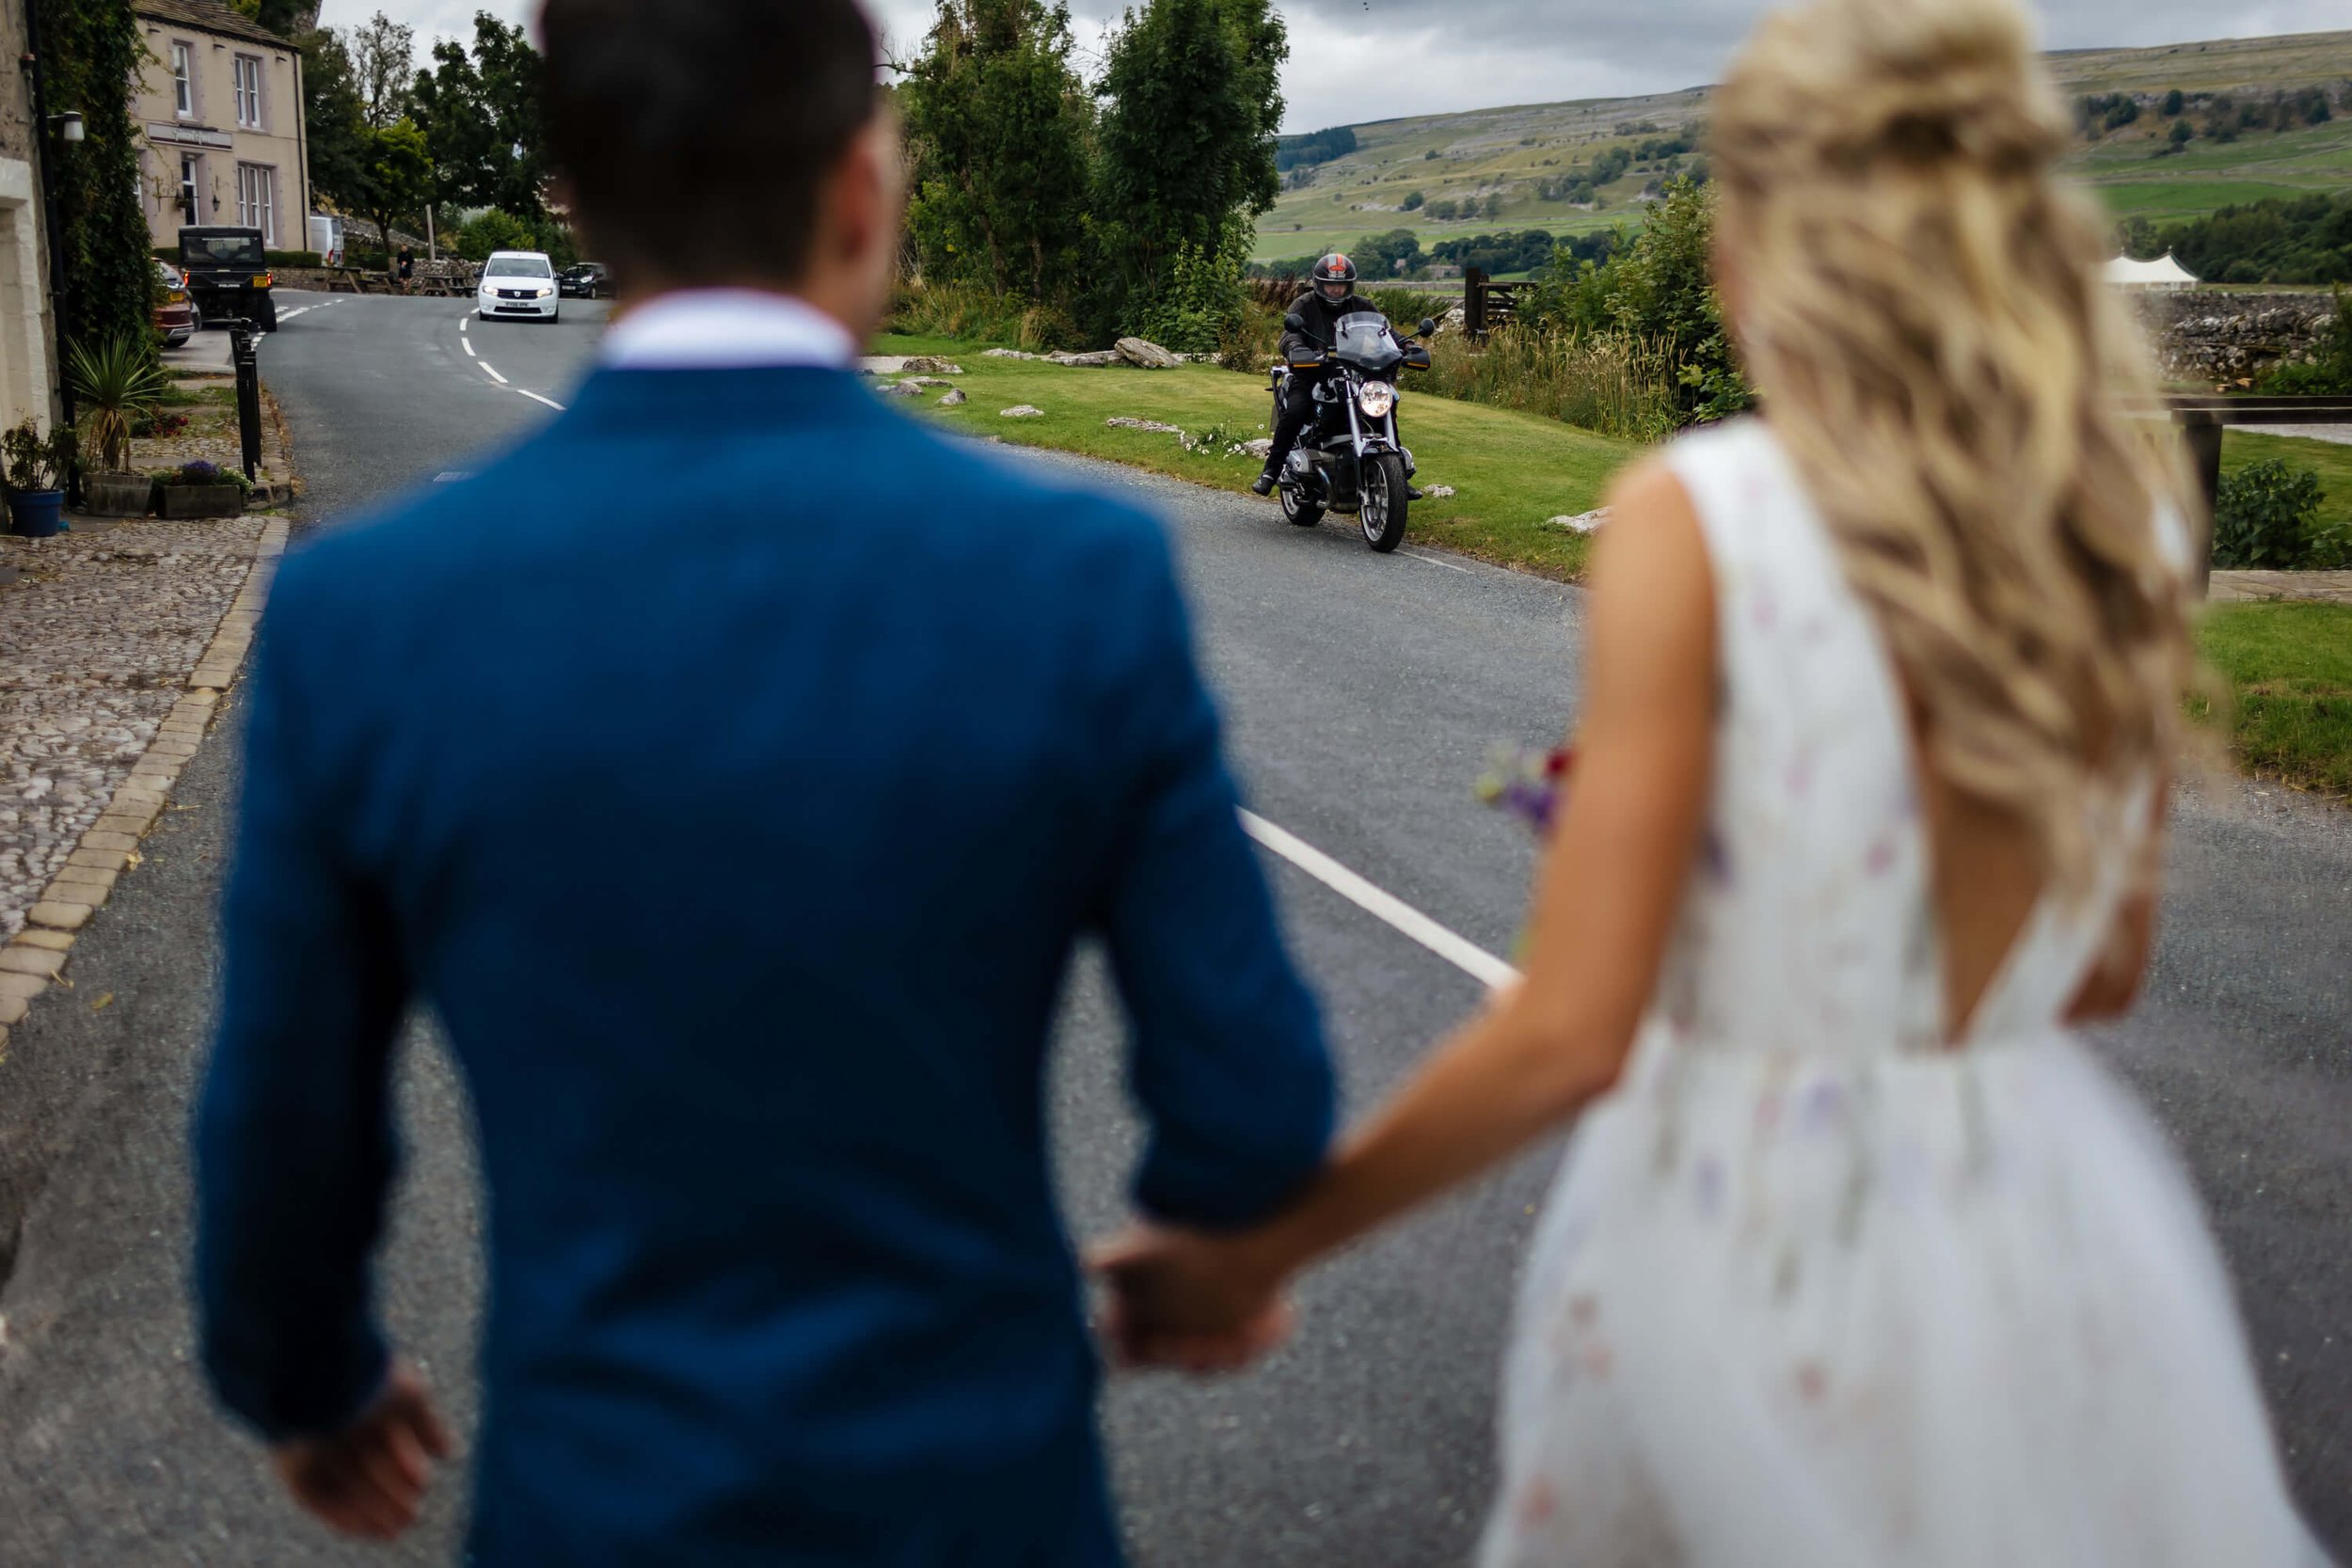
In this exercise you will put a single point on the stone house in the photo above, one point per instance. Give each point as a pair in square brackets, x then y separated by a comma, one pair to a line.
[219, 107]
[28, 346]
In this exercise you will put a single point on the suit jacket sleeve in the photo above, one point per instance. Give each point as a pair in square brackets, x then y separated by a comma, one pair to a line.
[294, 1139]
[1228, 1059]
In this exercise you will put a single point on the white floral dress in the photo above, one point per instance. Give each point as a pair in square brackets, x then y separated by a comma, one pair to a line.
[1814, 1291]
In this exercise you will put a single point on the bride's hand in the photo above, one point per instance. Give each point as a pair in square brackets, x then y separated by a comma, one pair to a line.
[1180, 1298]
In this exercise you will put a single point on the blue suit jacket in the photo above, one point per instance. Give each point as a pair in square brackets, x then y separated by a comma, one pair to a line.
[732, 767]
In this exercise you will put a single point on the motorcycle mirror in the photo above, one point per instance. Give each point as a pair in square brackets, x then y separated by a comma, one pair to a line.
[1296, 322]
[1428, 325]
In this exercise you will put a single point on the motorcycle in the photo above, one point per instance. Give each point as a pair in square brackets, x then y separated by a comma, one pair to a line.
[1349, 460]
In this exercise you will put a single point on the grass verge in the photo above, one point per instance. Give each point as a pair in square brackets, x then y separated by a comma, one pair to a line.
[2290, 666]
[1511, 471]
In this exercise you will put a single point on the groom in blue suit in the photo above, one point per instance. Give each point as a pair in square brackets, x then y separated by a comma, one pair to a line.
[732, 767]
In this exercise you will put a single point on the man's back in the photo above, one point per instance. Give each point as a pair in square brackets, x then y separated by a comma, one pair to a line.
[741, 842]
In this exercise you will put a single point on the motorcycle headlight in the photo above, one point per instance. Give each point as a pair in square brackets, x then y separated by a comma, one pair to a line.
[1376, 399]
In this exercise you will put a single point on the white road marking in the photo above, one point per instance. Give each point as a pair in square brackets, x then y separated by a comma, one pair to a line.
[465, 321]
[1457, 950]
[1433, 561]
[451, 476]
[537, 398]
[469, 347]
[494, 375]
[289, 315]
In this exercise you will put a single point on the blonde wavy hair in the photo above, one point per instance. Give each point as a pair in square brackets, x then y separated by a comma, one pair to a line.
[1920, 306]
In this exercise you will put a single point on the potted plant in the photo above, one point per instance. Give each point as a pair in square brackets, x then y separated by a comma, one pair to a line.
[38, 468]
[117, 386]
[201, 489]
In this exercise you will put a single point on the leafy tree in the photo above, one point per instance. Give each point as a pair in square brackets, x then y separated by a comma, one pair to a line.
[398, 179]
[1496, 254]
[1187, 141]
[998, 124]
[1388, 255]
[481, 117]
[335, 120]
[495, 231]
[2181, 134]
[383, 70]
[2174, 101]
[1316, 147]
[1413, 203]
[91, 48]
[2294, 239]
[281, 17]
[1655, 287]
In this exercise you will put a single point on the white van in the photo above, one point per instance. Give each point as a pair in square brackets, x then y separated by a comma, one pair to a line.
[326, 238]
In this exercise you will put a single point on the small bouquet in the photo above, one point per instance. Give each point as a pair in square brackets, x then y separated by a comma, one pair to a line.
[1527, 783]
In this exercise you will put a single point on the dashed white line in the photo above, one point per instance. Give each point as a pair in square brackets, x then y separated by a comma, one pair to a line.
[537, 398]
[468, 345]
[1433, 561]
[1456, 949]
[464, 322]
[494, 375]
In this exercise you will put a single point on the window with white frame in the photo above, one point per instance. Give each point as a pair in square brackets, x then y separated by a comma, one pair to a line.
[191, 185]
[249, 68]
[257, 199]
[184, 80]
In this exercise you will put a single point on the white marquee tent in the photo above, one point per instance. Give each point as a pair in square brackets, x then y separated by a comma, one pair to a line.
[2162, 273]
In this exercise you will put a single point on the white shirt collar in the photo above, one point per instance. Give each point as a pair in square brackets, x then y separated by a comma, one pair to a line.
[710, 330]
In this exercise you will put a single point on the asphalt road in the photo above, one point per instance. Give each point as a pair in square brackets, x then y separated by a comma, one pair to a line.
[1363, 694]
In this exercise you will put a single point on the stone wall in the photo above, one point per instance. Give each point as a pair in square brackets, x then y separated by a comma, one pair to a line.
[2204, 335]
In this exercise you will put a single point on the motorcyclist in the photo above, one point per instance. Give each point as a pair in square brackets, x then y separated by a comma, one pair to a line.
[1331, 295]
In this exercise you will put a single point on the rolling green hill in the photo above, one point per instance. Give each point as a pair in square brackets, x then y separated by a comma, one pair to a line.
[1507, 166]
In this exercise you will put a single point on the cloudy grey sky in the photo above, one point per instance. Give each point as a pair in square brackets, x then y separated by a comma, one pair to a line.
[1434, 55]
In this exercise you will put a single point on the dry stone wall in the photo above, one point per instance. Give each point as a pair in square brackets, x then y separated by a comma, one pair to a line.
[2204, 335]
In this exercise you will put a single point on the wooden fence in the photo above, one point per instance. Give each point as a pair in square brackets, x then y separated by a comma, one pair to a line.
[1486, 305]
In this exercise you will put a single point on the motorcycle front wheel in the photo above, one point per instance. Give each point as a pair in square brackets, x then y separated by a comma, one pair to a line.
[1383, 500]
[1297, 507]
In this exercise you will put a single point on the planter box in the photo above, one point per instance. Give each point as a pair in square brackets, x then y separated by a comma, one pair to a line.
[199, 500]
[118, 495]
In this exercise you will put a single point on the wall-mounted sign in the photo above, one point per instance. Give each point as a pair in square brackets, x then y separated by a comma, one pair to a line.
[189, 135]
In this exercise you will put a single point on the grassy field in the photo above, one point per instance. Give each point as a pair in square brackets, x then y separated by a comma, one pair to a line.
[2331, 459]
[2290, 666]
[1512, 472]
[1506, 153]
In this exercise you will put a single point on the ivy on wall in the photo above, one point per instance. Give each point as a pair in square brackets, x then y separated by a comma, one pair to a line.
[91, 54]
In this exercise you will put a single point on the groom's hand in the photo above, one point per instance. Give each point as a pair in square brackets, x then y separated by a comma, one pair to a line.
[1185, 1300]
[369, 1478]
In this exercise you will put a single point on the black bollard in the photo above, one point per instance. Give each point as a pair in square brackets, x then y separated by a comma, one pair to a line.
[243, 352]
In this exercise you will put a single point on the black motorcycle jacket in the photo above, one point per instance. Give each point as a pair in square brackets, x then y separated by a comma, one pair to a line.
[1323, 319]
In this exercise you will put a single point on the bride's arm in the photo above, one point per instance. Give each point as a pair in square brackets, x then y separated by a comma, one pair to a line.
[1606, 901]
[2112, 988]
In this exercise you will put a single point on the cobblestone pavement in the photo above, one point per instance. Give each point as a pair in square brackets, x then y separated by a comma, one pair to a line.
[2326, 587]
[97, 641]
[100, 629]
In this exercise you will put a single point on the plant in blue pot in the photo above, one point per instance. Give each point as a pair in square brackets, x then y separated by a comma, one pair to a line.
[38, 468]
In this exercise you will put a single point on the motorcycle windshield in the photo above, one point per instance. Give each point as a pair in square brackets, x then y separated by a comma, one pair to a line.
[1364, 341]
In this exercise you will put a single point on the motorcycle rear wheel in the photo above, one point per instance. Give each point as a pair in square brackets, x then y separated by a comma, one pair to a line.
[1382, 501]
[1297, 507]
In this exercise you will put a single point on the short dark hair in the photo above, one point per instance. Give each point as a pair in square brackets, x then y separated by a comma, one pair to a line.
[694, 135]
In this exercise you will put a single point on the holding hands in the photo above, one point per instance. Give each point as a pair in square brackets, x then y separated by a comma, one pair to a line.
[1189, 1300]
